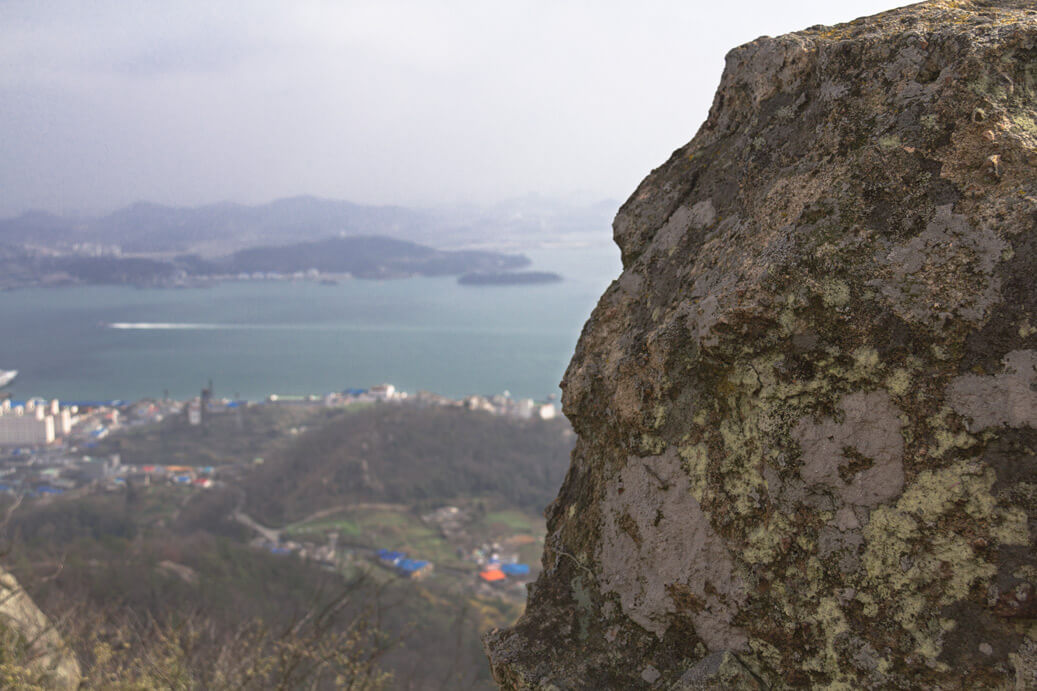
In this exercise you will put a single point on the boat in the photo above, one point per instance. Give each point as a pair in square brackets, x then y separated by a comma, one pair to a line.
[7, 376]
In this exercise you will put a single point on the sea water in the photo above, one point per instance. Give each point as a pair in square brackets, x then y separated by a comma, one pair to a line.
[255, 338]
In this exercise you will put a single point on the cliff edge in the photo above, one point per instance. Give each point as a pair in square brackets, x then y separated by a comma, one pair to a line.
[807, 409]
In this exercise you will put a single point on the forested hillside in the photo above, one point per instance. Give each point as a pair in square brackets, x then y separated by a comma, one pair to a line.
[408, 455]
[157, 582]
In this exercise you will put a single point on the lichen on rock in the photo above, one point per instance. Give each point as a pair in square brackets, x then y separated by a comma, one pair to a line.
[807, 409]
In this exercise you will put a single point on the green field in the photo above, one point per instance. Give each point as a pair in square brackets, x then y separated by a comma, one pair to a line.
[392, 529]
[403, 530]
[514, 521]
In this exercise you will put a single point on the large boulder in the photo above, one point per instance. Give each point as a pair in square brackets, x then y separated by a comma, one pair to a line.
[806, 409]
[32, 652]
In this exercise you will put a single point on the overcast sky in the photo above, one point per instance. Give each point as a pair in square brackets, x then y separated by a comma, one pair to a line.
[106, 103]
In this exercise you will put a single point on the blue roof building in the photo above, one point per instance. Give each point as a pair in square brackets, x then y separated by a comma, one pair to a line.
[413, 568]
[515, 569]
[390, 557]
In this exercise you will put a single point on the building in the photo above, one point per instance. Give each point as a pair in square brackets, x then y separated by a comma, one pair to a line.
[515, 570]
[524, 408]
[415, 569]
[28, 425]
[492, 575]
[63, 422]
[479, 403]
[389, 557]
[194, 413]
[383, 392]
[36, 423]
[94, 469]
[62, 416]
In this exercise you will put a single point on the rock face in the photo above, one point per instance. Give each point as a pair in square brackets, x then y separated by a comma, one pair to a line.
[806, 410]
[32, 653]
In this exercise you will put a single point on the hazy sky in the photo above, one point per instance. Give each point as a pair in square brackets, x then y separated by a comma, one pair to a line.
[105, 103]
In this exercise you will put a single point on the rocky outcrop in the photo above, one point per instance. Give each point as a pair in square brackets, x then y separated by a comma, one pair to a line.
[807, 409]
[32, 653]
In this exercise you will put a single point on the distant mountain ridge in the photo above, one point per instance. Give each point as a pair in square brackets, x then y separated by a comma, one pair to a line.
[220, 229]
[213, 229]
[152, 244]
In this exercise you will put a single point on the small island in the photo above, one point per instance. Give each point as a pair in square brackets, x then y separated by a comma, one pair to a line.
[508, 278]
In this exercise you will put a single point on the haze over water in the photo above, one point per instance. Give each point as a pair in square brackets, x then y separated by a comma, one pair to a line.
[254, 338]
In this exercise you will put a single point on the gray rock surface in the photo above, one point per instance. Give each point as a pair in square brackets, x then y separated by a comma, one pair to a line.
[38, 657]
[806, 410]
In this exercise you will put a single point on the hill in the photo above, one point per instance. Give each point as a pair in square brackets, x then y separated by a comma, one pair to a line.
[142, 566]
[148, 585]
[220, 229]
[412, 455]
[214, 228]
[365, 256]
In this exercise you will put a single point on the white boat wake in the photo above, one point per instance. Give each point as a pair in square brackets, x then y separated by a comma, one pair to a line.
[351, 328]
[181, 326]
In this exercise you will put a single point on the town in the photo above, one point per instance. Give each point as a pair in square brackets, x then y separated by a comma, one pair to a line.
[55, 451]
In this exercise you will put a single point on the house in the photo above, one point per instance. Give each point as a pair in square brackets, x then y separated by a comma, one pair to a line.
[179, 470]
[383, 392]
[492, 575]
[389, 557]
[413, 568]
[92, 469]
[515, 570]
